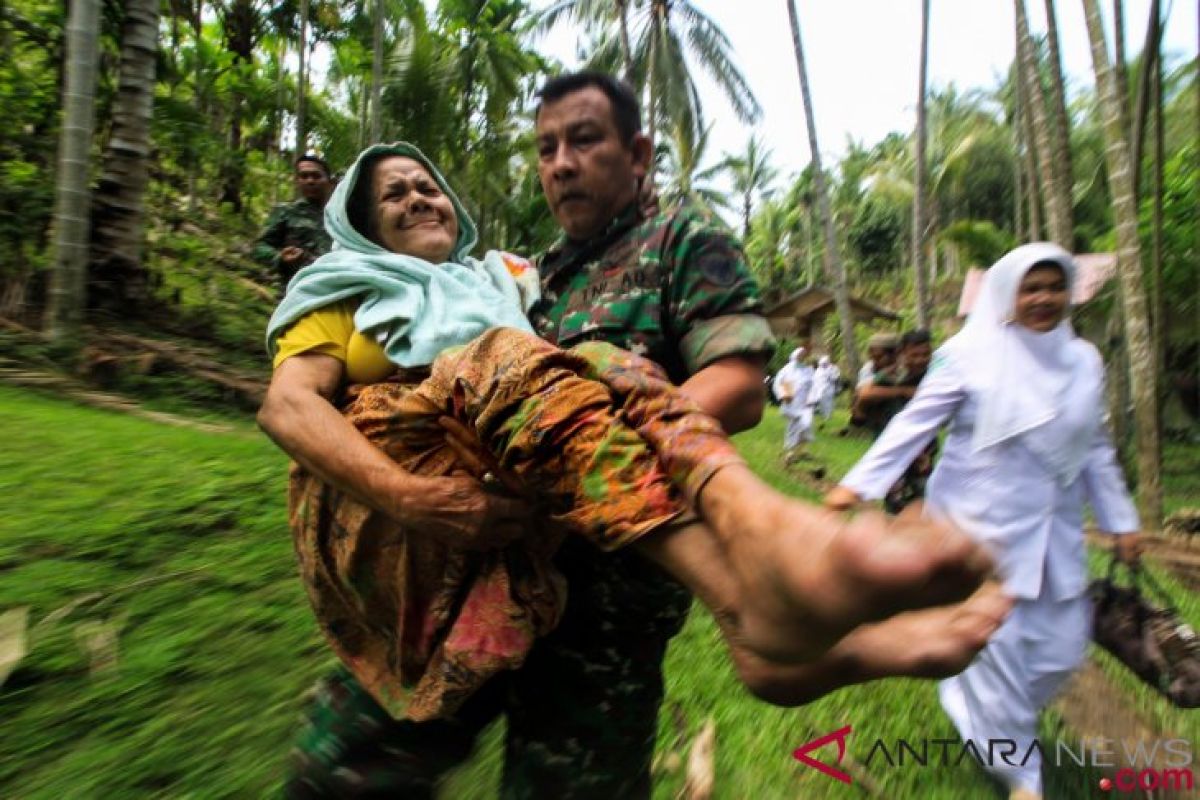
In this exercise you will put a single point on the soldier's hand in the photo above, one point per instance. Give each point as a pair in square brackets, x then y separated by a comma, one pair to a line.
[292, 255]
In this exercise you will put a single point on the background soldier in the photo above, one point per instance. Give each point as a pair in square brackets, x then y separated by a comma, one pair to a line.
[295, 235]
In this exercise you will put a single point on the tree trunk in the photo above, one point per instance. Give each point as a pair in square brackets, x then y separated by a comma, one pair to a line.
[377, 74]
[626, 50]
[1159, 306]
[1120, 62]
[1150, 59]
[1143, 378]
[1058, 196]
[919, 226]
[1033, 232]
[834, 268]
[1060, 122]
[655, 33]
[64, 310]
[117, 277]
[302, 85]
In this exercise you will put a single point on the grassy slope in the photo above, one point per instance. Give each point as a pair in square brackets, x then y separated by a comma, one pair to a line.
[184, 534]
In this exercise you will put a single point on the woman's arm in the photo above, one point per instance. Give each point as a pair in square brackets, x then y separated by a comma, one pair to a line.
[1104, 483]
[938, 396]
[299, 416]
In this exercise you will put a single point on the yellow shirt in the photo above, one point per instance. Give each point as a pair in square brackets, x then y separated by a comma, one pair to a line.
[330, 331]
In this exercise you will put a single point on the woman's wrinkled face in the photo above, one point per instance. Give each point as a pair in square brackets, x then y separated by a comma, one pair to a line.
[1042, 298]
[412, 215]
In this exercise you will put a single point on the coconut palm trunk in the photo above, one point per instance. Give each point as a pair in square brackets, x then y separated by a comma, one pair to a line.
[64, 310]
[1142, 103]
[1028, 157]
[117, 277]
[626, 48]
[1060, 122]
[302, 87]
[1143, 375]
[835, 269]
[1058, 195]
[377, 74]
[919, 225]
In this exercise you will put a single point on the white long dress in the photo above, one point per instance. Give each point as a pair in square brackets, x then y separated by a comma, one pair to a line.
[1005, 497]
[824, 388]
[794, 382]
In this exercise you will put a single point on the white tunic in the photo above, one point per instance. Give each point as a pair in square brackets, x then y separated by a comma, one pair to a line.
[794, 381]
[824, 385]
[1002, 495]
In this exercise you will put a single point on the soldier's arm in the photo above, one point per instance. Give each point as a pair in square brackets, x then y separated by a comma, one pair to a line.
[715, 312]
[271, 240]
[730, 389]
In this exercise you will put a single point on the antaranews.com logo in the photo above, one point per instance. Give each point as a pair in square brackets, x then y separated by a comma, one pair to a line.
[1136, 765]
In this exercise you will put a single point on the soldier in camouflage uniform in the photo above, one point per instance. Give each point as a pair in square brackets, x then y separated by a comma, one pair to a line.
[884, 397]
[295, 235]
[582, 711]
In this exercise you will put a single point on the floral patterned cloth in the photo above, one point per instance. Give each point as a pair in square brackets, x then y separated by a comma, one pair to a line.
[600, 442]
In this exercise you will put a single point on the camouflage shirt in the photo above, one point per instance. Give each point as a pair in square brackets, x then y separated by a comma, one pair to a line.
[297, 224]
[674, 288]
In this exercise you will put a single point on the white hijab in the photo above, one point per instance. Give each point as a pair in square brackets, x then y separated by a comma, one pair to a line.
[1047, 385]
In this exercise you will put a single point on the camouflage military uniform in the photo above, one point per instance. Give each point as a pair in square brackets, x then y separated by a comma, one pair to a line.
[583, 710]
[297, 224]
[911, 485]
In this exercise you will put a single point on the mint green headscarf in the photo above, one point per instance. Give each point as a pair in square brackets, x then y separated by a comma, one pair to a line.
[413, 308]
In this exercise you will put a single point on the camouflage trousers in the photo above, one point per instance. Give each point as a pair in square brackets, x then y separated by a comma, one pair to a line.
[911, 485]
[581, 711]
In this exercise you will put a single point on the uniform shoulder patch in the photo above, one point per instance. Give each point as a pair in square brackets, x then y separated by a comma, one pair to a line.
[718, 261]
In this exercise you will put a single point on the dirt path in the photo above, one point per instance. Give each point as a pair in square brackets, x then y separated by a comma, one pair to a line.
[62, 386]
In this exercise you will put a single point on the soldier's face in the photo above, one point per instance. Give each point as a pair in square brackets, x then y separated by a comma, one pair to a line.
[589, 175]
[313, 183]
[412, 215]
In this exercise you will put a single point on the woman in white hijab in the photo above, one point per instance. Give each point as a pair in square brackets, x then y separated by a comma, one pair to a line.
[792, 388]
[1023, 398]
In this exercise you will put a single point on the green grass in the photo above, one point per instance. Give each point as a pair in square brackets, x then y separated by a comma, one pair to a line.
[183, 536]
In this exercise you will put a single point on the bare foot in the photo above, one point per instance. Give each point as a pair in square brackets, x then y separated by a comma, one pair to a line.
[809, 576]
[931, 643]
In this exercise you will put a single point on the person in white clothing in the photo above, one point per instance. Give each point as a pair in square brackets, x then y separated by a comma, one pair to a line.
[793, 389]
[824, 386]
[1024, 401]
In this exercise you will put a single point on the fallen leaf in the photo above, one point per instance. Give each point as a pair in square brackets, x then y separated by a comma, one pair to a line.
[13, 625]
[700, 779]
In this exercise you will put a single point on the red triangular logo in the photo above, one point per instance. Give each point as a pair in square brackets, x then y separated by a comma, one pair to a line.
[801, 753]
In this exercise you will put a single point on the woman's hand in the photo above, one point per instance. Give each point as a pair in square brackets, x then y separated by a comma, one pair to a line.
[461, 511]
[839, 498]
[1128, 548]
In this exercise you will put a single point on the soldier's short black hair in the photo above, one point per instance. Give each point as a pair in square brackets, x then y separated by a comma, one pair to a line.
[627, 112]
[315, 160]
[919, 336]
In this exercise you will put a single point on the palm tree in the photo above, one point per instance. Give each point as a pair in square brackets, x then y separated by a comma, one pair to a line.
[920, 227]
[1143, 377]
[752, 175]
[597, 13]
[117, 216]
[656, 41]
[834, 267]
[686, 182]
[302, 83]
[64, 311]
[1060, 123]
[377, 53]
[1058, 194]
